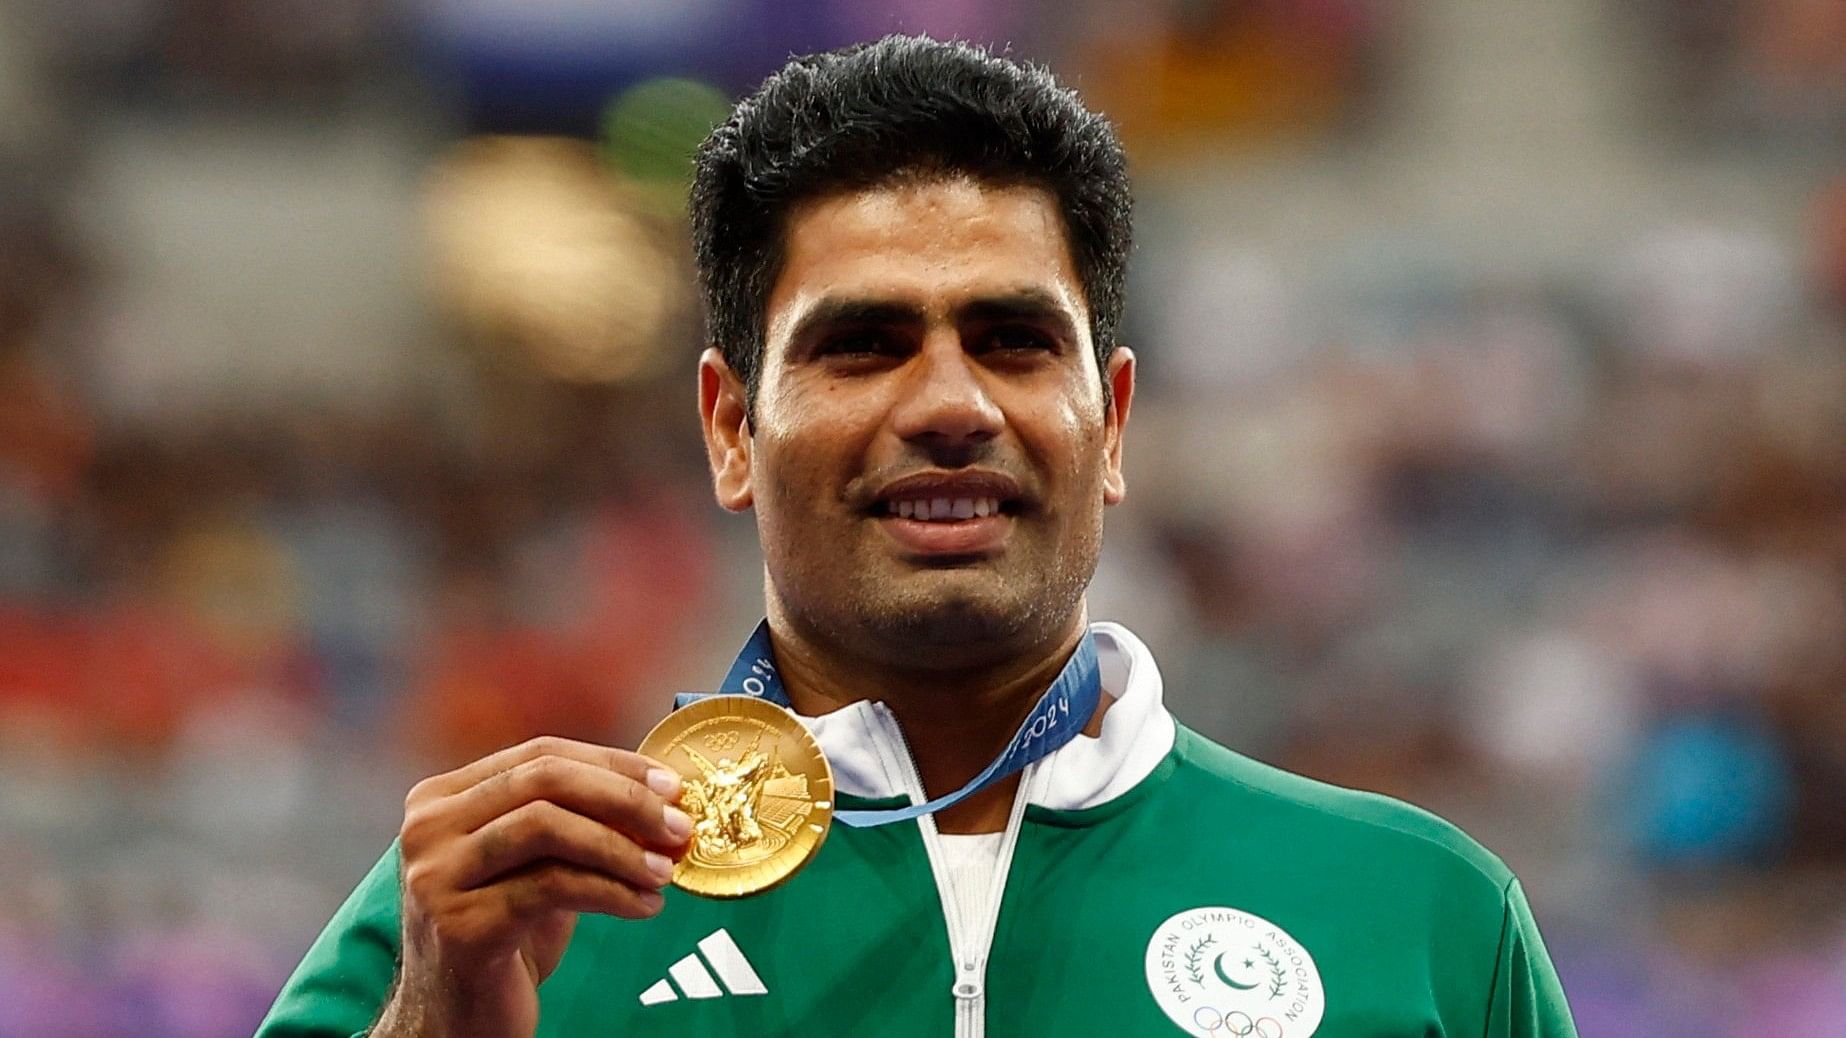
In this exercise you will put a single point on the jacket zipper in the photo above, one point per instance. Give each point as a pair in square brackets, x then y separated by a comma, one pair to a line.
[968, 952]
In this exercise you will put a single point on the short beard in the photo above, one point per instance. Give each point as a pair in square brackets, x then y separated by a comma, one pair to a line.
[953, 627]
[948, 633]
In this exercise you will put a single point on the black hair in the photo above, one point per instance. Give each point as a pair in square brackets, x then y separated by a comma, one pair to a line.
[880, 112]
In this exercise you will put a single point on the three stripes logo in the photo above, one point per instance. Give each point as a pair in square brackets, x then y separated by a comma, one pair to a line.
[691, 977]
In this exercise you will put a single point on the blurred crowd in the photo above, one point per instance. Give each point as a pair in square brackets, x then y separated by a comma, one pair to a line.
[344, 438]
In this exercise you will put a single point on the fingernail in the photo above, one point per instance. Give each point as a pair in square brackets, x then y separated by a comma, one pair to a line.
[651, 901]
[660, 865]
[678, 823]
[664, 782]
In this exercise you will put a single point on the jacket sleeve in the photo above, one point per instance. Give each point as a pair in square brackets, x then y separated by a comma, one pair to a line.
[1527, 1000]
[341, 985]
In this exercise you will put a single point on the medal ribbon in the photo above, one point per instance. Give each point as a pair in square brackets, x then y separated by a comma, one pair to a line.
[1060, 714]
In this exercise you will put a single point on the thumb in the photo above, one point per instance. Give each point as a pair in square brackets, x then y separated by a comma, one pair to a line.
[544, 948]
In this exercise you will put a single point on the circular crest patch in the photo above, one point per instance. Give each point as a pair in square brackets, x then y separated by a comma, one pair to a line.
[1222, 973]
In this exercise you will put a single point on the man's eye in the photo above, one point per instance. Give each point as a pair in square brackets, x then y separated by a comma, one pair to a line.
[858, 344]
[1018, 337]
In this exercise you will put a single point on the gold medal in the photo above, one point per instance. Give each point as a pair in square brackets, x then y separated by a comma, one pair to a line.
[758, 789]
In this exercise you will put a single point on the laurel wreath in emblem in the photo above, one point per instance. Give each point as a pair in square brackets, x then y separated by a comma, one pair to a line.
[1277, 975]
[1195, 955]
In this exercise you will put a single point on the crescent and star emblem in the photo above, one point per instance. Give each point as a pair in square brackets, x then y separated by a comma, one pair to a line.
[1217, 966]
[1221, 972]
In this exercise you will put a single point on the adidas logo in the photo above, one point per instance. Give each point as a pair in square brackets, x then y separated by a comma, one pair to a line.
[691, 977]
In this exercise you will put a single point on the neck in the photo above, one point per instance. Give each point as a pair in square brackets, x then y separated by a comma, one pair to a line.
[956, 721]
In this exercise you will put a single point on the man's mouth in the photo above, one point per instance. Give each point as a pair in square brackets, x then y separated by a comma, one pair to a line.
[943, 514]
[944, 509]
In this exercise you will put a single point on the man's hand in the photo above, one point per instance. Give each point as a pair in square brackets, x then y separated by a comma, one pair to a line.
[500, 856]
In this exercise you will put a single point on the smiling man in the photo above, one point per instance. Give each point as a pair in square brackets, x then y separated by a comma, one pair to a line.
[912, 256]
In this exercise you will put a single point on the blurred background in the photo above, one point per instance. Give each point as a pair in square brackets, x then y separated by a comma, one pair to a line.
[1491, 448]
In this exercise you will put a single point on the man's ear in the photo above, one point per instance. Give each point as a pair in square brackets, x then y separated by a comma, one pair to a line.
[1121, 376]
[725, 419]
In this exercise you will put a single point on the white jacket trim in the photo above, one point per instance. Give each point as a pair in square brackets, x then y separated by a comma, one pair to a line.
[1137, 734]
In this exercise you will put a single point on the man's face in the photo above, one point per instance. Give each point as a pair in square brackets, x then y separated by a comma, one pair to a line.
[931, 453]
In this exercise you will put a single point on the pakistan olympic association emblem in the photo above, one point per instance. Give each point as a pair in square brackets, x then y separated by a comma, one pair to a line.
[1223, 973]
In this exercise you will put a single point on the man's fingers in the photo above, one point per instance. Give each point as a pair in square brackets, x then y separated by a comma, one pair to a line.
[503, 853]
[621, 762]
[551, 886]
[542, 830]
[618, 801]
[530, 900]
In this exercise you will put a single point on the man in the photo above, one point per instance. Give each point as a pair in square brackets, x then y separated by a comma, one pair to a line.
[912, 255]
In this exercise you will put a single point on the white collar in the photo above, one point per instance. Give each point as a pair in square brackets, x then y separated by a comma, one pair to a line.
[863, 743]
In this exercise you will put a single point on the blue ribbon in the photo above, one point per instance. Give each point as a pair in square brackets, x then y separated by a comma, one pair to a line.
[1060, 714]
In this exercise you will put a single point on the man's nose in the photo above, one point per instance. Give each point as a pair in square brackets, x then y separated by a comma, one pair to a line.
[946, 402]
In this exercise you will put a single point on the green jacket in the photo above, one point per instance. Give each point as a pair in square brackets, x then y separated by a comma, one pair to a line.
[1150, 883]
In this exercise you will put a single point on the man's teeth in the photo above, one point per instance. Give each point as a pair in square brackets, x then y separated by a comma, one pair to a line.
[944, 508]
